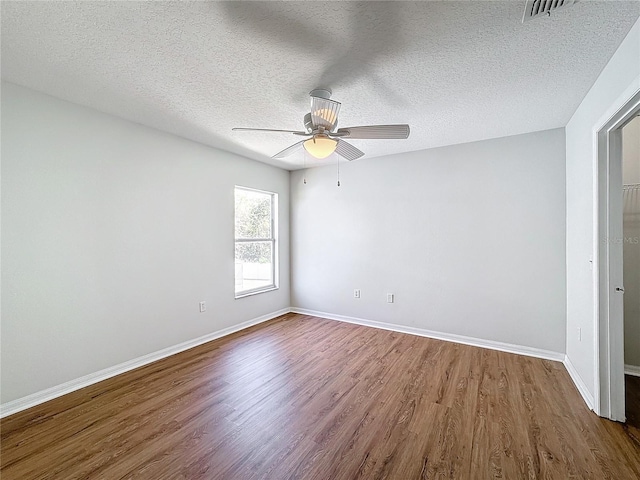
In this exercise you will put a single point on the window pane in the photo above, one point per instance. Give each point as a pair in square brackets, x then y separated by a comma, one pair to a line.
[253, 214]
[254, 265]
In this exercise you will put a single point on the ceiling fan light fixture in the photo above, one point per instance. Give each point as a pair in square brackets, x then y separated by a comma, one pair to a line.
[320, 124]
[320, 146]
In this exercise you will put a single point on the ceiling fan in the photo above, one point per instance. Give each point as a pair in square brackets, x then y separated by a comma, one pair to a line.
[320, 124]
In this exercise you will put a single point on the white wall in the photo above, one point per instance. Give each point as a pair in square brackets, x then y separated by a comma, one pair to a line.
[470, 238]
[112, 233]
[621, 73]
[631, 246]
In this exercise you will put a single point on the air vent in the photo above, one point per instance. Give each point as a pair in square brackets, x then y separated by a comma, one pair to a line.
[536, 8]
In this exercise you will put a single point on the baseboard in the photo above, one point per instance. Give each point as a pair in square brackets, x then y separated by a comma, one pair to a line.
[579, 383]
[37, 398]
[449, 337]
[632, 370]
[42, 396]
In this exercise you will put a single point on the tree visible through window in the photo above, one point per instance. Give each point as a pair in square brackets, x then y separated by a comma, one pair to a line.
[255, 241]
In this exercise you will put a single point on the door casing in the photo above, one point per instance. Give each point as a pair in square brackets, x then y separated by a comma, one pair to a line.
[608, 241]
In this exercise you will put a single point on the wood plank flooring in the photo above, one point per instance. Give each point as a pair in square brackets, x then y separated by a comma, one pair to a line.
[301, 397]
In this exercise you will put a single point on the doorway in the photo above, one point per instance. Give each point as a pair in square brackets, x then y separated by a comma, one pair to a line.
[609, 276]
[631, 266]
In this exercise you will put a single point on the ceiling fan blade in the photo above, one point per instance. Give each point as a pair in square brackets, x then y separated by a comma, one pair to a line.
[375, 131]
[324, 113]
[289, 150]
[347, 150]
[295, 132]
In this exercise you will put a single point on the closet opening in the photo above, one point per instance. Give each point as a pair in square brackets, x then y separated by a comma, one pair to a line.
[609, 268]
[631, 267]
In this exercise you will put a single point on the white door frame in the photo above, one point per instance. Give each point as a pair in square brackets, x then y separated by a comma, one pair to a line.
[609, 332]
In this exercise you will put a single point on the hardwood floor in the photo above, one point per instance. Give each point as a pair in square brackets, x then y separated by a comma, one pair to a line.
[306, 398]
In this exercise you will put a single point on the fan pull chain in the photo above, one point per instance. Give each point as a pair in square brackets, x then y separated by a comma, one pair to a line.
[304, 166]
[338, 164]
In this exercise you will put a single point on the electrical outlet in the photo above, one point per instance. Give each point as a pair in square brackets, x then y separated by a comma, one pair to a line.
[203, 307]
[356, 293]
[390, 298]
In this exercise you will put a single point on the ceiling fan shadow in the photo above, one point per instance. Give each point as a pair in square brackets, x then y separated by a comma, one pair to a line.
[373, 34]
[375, 37]
[277, 24]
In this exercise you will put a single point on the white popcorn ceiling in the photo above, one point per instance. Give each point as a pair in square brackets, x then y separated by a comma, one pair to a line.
[455, 71]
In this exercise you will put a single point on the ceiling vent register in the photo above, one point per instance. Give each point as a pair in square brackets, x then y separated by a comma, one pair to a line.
[536, 8]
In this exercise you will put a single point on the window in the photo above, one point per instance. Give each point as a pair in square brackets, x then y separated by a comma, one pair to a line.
[255, 236]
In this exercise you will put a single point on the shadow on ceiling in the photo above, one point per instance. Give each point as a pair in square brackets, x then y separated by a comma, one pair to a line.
[375, 33]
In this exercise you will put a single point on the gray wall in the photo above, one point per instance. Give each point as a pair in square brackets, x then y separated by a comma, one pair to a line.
[112, 234]
[470, 238]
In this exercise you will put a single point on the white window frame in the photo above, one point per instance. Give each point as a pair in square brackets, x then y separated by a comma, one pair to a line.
[273, 240]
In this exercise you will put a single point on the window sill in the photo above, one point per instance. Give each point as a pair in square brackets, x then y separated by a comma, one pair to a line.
[248, 293]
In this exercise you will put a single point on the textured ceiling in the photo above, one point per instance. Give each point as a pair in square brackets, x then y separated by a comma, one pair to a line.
[455, 71]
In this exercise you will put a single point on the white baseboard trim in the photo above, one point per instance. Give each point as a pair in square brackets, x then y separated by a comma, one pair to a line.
[632, 370]
[579, 383]
[42, 396]
[448, 337]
